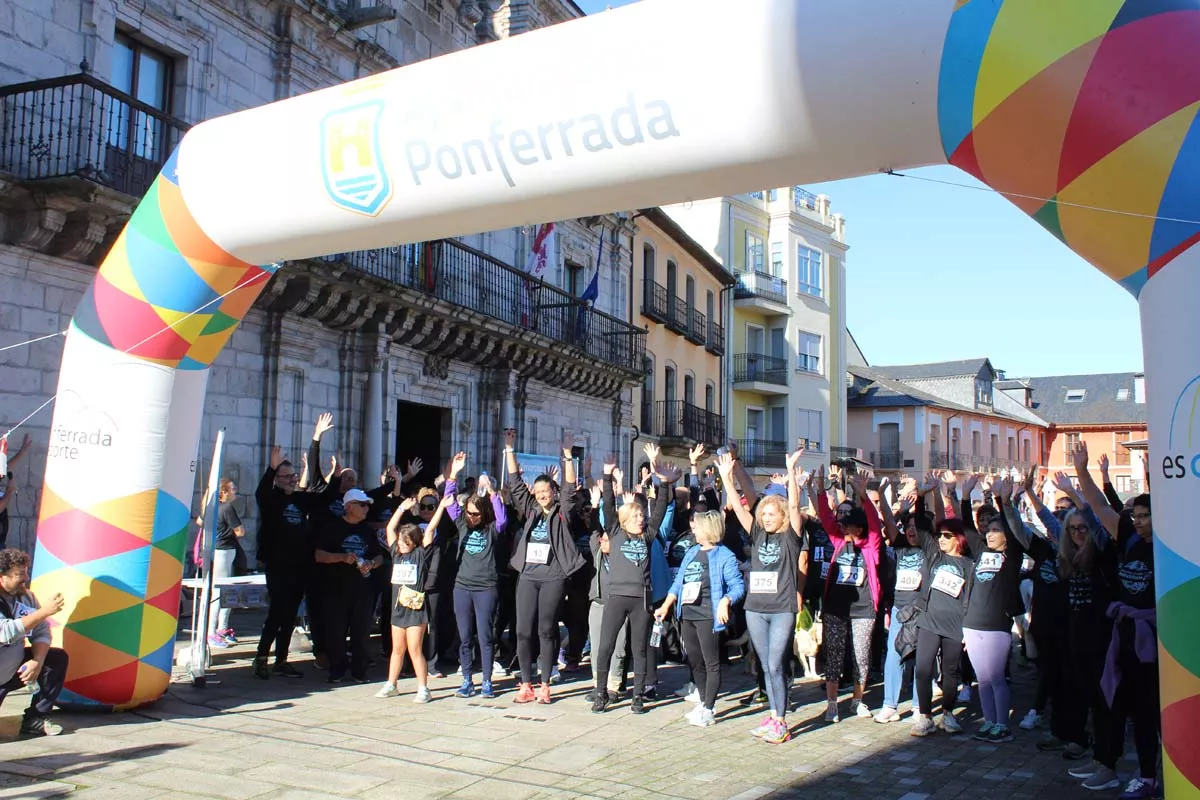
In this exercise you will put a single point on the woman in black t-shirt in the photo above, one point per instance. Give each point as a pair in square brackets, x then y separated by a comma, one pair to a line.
[411, 552]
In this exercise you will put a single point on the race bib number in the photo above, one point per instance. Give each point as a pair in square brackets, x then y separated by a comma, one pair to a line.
[851, 576]
[404, 574]
[824, 570]
[22, 610]
[537, 553]
[691, 593]
[908, 580]
[991, 562]
[948, 583]
[764, 582]
[1027, 563]
[818, 553]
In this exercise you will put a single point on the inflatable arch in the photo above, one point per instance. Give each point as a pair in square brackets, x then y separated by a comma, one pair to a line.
[1068, 107]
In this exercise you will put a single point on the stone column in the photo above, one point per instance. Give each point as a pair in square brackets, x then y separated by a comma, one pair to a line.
[373, 421]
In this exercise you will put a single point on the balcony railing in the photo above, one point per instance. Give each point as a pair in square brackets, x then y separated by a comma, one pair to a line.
[762, 453]
[888, 459]
[654, 300]
[760, 284]
[803, 199]
[675, 419]
[716, 339]
[79, 125]
[939, 459]
[677, 314]
[465, 277]
[698, 330]
[753, 367]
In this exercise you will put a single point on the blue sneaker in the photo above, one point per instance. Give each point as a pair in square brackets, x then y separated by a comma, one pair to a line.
[217, 641]
[466, 690]
[486, 690]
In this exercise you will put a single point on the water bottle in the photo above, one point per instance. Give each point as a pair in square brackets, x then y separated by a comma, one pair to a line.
[656, 634]
[481, 490]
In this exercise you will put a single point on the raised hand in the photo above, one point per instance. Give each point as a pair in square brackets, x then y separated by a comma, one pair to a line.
[858, 481]
[669, 473]
[652, 452]
[818, 479]
[949, 479]
[628, 497]
[415, 465]
[457, 463]
[1060, 481]
[586, 466]
[393, 472]
[695, 454]
[1103, 462]
[969, 484]
[553, 472]
[610, 464]
[276, 456]
[568, 442]
[1004, 489]
[793, 459]
[324, 425]
[1080, 457]
[510, 438]
[595, 494]
[618, 477]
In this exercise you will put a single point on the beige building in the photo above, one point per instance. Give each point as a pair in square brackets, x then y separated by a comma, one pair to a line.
[681, 292]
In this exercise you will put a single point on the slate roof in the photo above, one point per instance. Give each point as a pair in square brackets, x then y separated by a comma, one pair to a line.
[1100, 405]
[941, 369]
[882, 391]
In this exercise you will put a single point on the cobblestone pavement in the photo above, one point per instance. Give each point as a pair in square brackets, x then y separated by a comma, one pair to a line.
[301, 738]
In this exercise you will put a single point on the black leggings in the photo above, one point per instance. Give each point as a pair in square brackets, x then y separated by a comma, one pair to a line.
[1136, 697]
[704, 656]
[537, 607]
[285, 591]
[928, 645]
[616, 611]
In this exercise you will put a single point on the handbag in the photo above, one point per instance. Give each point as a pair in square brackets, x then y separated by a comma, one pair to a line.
[410, 599]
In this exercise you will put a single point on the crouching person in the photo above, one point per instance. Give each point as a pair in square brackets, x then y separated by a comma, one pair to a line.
[21, 618]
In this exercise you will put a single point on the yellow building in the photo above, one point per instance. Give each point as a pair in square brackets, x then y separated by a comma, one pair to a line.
[788, 346]
[681, 294]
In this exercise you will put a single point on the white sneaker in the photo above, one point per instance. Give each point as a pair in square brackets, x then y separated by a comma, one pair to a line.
[423, 695]
[693, 696]
[964, 695]
[950, 723]
[922, 726]
[1032, 720]
[860, 709]
[388, 690]
[887, 715]
[555, 677]
[686, 690]
[704, 718]
[695, 712]
[831, 711]
[497, 669]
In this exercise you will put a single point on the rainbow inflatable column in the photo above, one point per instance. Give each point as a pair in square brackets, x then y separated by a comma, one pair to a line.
[1094, 105]
[116, 505]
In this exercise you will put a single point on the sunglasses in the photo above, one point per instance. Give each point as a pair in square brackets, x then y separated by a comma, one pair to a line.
[473, 513]
[1077, 528]
[949, 535]
[428, 506]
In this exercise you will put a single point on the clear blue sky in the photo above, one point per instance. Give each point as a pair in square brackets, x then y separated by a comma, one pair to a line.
[939, 273]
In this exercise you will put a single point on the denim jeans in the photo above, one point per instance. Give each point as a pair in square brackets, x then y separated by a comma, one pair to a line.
[771, 635]
[896, 673]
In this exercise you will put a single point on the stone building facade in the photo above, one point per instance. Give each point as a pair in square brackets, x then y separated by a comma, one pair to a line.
[421, 349]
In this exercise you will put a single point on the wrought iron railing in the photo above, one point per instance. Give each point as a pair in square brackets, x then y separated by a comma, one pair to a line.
[804, 199]
[677, 314]
[762, 453]
[716, 339]
[939, 459]
[654, 300]
[698, 329]
[755, 367]
[760, 284]
[888, 459]
[79, 125]
[465, 277]
[676, 419]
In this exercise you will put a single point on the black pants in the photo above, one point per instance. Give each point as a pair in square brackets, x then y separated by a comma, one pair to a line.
[286, 590]
[575, 607]
[616, 611]
[1051, 663]
[703, 651]
[350, 610]
[537, 610]
[441, 639]
[929, 644]
[314, 598]
[1076, 689]
[1136, 697]
[505, 629]
[50, 682]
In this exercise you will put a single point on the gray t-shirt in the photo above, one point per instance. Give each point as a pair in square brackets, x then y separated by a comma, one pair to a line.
[627, 569]
[13, 633]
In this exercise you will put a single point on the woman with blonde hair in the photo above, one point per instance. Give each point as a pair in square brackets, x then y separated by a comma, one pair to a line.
[776, 531]
[706, 587]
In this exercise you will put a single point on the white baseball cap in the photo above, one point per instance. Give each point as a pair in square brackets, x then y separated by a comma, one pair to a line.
[356, 496]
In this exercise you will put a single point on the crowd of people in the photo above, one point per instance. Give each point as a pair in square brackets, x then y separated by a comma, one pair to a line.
[929, 576]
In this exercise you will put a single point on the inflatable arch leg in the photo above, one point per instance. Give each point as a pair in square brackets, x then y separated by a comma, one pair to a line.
[1065, 107]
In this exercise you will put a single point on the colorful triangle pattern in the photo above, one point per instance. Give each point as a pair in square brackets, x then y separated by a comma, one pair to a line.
[1089, 104]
